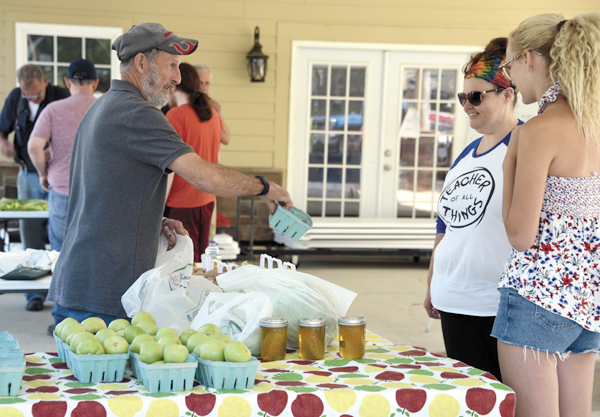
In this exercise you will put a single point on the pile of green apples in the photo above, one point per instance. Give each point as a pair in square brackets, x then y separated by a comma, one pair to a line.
[91, 336]
[210, 344]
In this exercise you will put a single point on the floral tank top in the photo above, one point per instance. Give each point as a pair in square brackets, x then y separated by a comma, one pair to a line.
[560, 271]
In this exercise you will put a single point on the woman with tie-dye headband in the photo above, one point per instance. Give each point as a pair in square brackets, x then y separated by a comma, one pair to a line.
[548, 322]
[471, 246]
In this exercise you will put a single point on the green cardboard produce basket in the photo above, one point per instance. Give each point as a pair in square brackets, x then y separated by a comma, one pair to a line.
[165, 377]
[11, 374]
[226, 375]
[292, 223]
[98, 368]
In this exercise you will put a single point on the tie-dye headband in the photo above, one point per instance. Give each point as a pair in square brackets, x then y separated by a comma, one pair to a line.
[488, 69]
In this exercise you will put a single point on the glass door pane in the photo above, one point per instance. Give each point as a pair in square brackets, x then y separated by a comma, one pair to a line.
[335, 136]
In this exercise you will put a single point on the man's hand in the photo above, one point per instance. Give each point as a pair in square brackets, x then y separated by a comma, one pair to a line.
[170, 225]
[7, 148]
[44, 182]
[277, 194]
[215, 105]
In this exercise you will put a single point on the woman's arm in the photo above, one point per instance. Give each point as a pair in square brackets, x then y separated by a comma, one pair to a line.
[431, 311]
[525, 171]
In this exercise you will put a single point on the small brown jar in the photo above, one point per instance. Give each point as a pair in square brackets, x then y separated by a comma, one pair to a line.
[352, 336]
[311, 335]
[273, 332]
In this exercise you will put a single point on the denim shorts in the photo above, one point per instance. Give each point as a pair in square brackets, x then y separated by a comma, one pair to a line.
[523, 323]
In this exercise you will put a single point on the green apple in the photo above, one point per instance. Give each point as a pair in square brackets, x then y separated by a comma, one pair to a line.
[63, 323]
[80, 337]
[158, 363]
[175, 353]
[104, 334]
[224, 338]
[196, 340]
[237, 352]
[186, 335]
[210, 329]
[131, 332]
[168, 340]
[121, 333]
[150, 352]
[115, 345]
[118, 324]
[70, 328]
[137, 342]
[213, 350]
[142, 316]
[91, 346]
[148, 327]
[163, 332]
[93, 324]
[71, 336]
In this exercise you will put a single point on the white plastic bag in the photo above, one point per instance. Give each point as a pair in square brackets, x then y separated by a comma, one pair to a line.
[294, 295]
[169, 291]
[237, 315]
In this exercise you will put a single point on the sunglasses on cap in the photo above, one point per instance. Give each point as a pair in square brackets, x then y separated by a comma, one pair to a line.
[475, 97]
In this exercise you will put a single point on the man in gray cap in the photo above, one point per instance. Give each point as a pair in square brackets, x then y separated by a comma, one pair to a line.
[124, 149]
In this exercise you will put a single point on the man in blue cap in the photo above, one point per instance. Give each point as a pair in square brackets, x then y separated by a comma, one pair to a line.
[55, 128]
[124, 150]
[21, 110]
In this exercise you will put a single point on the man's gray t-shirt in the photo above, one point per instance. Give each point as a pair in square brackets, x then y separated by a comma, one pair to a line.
[118, 184]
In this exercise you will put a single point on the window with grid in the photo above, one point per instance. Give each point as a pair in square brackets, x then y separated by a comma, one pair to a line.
[53, 47]
[425, 138]
[337, 105]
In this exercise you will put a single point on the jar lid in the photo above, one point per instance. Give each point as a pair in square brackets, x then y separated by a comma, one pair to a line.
[352, 320]
[273, 322]
[311, 322]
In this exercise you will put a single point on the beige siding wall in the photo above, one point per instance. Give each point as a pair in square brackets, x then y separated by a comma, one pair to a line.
[258, 113]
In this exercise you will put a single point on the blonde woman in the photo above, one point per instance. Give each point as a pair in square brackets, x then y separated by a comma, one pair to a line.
[548, 322]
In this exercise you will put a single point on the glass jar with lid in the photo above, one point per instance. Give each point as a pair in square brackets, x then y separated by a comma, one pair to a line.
[273, 332]
[311, 335]
[352, 336]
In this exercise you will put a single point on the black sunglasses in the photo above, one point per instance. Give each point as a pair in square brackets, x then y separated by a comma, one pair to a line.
[475, 97]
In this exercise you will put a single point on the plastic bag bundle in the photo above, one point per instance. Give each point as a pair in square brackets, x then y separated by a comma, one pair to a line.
[169, 291]
[294, 295]
[237, 315]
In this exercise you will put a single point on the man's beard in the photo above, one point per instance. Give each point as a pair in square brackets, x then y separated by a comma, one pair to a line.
[157, 95]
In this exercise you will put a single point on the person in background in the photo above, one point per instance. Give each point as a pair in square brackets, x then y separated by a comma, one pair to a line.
[200, 126]
[21, 110]
[123, 152]
[548, 323]
[55, 129]
[471, 246]
[205, 76]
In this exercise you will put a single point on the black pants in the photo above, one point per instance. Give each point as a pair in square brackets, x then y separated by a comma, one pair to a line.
[467, 339]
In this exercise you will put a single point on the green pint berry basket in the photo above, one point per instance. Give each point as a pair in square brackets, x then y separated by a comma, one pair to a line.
[226, 375]
[98, 368]
[11, 375]
[164, 377]
[292, 223]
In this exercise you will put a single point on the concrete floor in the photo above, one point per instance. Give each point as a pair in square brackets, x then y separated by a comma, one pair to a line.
[390, 296]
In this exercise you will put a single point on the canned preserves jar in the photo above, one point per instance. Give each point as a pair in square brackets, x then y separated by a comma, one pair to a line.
[311, 335]
[273, 332]
[352, 336]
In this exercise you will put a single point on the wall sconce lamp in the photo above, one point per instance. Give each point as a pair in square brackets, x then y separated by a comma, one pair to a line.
[257, 61]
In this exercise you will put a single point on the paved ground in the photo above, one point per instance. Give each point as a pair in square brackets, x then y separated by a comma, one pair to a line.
[390, 296]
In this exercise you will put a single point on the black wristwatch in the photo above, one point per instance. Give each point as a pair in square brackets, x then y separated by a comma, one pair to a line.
[265, 185]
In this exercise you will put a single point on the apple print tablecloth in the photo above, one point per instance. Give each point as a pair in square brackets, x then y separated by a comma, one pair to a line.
[389, 381]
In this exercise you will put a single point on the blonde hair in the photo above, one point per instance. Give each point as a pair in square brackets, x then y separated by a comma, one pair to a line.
[572, 50]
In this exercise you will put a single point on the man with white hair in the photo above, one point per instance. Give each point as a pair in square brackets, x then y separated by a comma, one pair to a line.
[205, 75]
[124, 150]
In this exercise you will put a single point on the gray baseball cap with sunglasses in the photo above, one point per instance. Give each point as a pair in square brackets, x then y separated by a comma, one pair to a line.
[147, 36]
